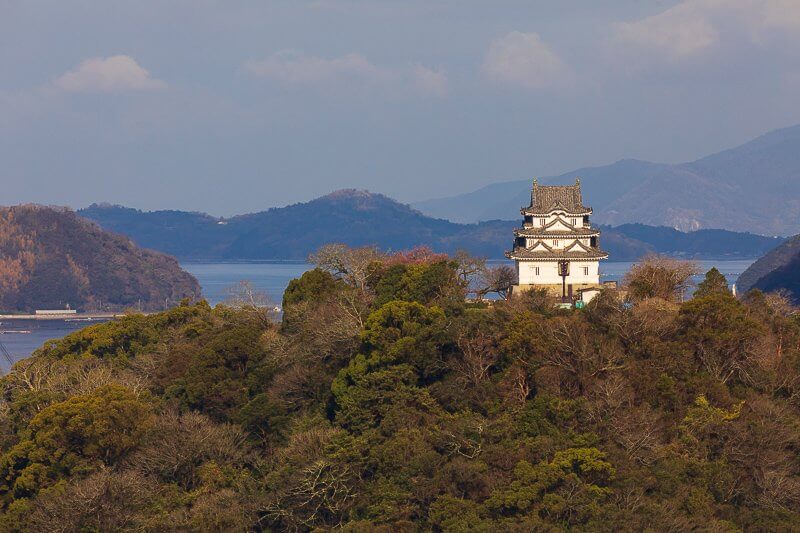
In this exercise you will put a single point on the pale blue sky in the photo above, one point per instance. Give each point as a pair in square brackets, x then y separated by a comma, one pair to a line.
[233, 106]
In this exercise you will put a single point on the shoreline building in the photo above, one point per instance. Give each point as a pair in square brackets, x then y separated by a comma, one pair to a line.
[557, 248]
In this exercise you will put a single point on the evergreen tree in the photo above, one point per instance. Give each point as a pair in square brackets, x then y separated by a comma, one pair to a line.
[714, 283]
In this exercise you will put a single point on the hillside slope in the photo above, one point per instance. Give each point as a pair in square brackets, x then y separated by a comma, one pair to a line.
[777, 270]
[178, 233]
[753, 187]
[403, 408]
[352, 217]
[50, 258]
[359, 218]
[601, 187]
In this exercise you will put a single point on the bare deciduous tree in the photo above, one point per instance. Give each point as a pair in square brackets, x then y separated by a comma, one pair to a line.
[245, 297]
[658, 276]
[478, 354]
[181, 443]
[637, 430]
[349, 264]
[498, 280]
[652, 318]
[105, 501]
[469, 267]
[518, 384]
[576, 351]
[327, 329]
[482, 279]
[320, 495]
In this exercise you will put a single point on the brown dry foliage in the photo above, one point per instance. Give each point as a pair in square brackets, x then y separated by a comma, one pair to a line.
[657, 276]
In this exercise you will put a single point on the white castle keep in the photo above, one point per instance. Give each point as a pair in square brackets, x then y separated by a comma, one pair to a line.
[557, 248]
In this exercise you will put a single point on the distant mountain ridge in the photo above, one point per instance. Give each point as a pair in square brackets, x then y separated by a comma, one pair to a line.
[359, 218]
[754, 187]
[51, 258]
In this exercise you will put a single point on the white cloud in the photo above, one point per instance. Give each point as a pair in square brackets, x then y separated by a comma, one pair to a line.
[429, 81]
[523, 59]
[110, 74]
[694, 28]
[296, 68]
[780, 15]
[677, 33]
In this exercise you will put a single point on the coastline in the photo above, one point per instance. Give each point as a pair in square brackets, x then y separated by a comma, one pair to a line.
[76, 317]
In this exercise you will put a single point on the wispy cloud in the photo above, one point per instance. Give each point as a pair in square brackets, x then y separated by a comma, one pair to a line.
[118, 73]
[524, 60]
[674, 34]
[297, 68]
[695, 29]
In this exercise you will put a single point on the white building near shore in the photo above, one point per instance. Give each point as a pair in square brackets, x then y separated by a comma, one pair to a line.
[557, 248]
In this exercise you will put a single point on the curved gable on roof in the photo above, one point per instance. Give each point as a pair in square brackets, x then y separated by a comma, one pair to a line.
[568, 198]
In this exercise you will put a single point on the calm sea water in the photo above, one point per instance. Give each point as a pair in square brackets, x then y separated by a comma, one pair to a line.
[271, 278]
[22, 337]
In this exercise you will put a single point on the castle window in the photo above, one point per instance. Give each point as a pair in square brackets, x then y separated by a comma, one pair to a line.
[535, 271]
[585, 271]
[574, 221]
[555, 243]
[542, 221]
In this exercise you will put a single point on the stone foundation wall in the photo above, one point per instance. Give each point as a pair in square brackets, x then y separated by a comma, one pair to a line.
[554, 290]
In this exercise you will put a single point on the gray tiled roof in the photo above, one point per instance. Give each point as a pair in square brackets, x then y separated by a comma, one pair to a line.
[546, 198]
[576, 251]
[570, 255]
[539, 232]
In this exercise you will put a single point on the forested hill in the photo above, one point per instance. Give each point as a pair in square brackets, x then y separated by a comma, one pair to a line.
[50, 258]
[779, 270]
[384, 403]
[358, 218]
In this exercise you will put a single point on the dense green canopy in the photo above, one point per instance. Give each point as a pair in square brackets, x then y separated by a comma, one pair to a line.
[391, 405]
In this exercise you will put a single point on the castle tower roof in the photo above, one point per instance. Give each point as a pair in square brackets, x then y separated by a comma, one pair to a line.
[548, 198]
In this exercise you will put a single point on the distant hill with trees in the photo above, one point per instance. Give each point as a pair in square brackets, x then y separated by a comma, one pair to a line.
[359, 218]
[51, 258]
[779, 270]
[753, 187]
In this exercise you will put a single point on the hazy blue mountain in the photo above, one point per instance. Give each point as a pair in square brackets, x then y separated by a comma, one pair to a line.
[601, 187]
[184, 234]
[355, 218]
[753, 187]
[498, 201]
[360, 218]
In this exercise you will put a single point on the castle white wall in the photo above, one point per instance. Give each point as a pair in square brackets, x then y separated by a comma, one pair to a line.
[558, 243]
[576, 221]
[548, 273]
